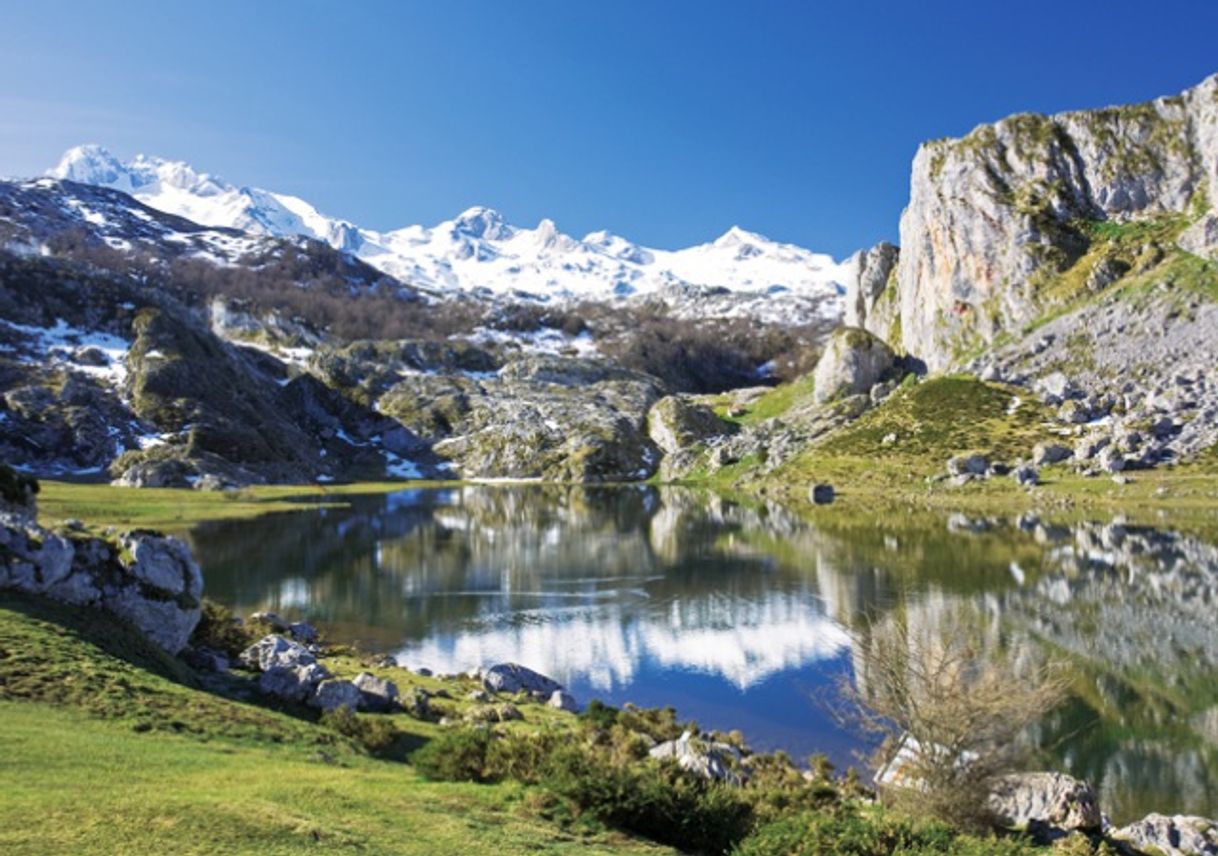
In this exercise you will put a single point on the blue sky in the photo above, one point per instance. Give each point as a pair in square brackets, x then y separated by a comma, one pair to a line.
[664, 121]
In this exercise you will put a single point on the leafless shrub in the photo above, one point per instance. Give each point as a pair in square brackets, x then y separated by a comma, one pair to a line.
[952, 708]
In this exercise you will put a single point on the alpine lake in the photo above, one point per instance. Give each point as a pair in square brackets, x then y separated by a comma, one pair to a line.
[744, 614]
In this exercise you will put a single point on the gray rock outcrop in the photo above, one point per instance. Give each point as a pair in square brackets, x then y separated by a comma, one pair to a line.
[379, 694]
[1178, 835]
[853, 362]
[994, 213]
[148, 580]
[1052, 799]
[678, 422]
[514, 678]
[698, 756]
[870, 279]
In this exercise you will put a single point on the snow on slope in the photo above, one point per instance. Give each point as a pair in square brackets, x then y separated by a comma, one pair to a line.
[477, 251]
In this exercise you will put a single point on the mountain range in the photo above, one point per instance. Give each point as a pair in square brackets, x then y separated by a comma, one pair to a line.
[477, 251]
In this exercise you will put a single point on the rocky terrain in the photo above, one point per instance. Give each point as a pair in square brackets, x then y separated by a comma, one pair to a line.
[1069, 259]
[145, 579]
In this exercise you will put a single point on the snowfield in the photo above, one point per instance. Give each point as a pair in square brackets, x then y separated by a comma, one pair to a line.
[478, 251]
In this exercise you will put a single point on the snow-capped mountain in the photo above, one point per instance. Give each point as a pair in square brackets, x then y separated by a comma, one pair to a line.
[478, 251]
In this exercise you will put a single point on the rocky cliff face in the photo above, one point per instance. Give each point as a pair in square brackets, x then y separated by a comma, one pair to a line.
[996, 216]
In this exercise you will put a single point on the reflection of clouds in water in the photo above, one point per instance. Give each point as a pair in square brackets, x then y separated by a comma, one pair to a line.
[294, 593]
[744, 642]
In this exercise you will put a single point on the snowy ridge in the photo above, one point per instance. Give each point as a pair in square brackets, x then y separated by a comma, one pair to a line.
[478, 251]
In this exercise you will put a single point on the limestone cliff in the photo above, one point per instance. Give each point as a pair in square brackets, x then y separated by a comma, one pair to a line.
[996, 216]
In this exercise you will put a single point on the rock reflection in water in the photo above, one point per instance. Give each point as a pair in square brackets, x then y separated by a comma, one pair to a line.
[736, 613]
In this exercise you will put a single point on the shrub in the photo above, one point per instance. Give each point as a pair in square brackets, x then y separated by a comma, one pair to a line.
[658, 802]
[957, 706]
[219, 630]
[375, 734]
[847, 832]
[458, 755]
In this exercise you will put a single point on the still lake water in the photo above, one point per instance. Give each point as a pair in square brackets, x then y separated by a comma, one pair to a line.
[738, 615]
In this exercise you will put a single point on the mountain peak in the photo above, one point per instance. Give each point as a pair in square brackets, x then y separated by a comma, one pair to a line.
[736, 236]
[88, 164]
[482, 222]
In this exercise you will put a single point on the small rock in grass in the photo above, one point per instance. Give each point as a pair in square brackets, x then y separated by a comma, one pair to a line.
[564, 701]
[822, 494]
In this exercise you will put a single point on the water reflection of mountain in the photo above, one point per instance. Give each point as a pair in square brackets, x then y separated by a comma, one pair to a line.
[605, 585]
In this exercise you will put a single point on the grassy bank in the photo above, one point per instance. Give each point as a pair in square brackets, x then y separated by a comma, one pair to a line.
[110, 747]
[172, 509]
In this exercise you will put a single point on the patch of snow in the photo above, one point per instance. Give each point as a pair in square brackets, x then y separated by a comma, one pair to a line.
[397, 467]
[478, 251]
[64, 344]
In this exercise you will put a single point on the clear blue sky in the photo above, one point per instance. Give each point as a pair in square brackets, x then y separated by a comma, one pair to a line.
[664, 121]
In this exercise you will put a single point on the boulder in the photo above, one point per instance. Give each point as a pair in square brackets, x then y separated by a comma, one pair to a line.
[1055, 800]
[968, 465]
[379, 695]
[274, 651]
[417, 702]
[304, 632]
[1110, 460]
[1045, 454]
[1026, 476]
[334, 694]
[514, 678]
[854, 361]
[1179, 835]
[150, 581]
[678, 422]
[698, 756]
[564, 701]
[292, 683]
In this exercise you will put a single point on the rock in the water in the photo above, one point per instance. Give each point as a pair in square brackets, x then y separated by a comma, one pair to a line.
[1181, 835]
[564, 701]
[1051, 799]
[701, 757]
[854, 361]
[514, 678]
[380, 695]
[822, 494]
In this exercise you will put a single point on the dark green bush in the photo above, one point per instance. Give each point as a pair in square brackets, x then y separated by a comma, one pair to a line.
[660, 803]
[847, 832]
[599, 715]
[459, 755]
[219, 630]
[375, 734]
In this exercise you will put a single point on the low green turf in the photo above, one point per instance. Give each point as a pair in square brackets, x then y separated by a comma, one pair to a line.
[931, 422]
[769, 405]
[174, 509]
[109, 747]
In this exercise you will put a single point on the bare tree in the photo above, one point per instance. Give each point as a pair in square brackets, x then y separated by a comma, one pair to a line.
[952, 704]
